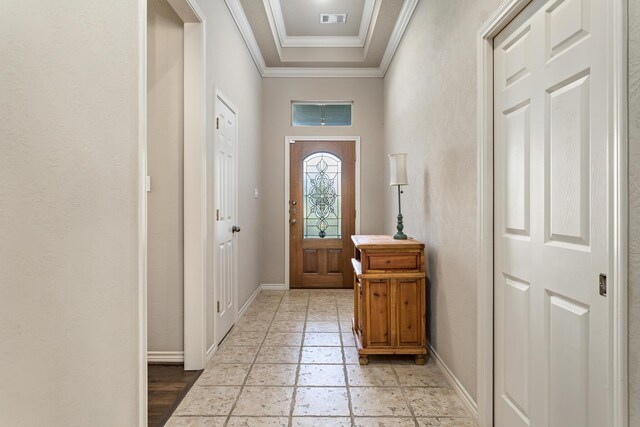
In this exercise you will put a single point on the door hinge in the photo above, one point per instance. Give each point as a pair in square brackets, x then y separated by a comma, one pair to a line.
[218, 306]
[217, 214]
[602, 285]
[217, 122]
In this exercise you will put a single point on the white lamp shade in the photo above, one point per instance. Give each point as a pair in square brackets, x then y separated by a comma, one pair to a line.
[398, 163]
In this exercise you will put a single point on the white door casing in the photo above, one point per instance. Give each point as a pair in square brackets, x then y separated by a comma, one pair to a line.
[551, 198]
[225, 263]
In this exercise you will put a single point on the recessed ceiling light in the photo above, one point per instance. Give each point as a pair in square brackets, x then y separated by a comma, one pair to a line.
[333, 18]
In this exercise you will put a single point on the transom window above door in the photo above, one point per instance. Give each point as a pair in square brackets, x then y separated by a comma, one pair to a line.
[321, 114]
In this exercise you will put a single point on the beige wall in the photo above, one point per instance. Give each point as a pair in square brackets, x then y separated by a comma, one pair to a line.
[230, 68]
[367, 95]
[68, 213]
[634, 213]
[430, 112]
[165, 118]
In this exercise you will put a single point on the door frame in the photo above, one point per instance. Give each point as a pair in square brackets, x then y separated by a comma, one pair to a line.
[618, 206]
[288, 140]
[195, 186]
[219, 95]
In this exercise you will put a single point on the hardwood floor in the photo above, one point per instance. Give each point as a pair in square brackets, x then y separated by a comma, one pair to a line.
[168, 384]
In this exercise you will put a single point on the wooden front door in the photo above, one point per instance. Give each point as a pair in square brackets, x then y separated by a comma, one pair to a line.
[322, 214]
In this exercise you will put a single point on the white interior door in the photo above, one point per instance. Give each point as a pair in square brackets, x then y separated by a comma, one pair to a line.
[552, 326]
[225, 270]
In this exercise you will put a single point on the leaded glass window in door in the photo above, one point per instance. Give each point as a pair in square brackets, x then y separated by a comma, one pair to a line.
[322, 202]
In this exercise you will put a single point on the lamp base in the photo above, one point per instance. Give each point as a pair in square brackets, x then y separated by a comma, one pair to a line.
[400, 235]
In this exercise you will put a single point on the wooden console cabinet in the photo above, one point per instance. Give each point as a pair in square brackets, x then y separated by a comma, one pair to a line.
[390, 297]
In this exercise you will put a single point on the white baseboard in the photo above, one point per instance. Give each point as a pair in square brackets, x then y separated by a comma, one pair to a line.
[248, 303]
[165, 357]
[273, 287]
[211, 351]
[471, 405]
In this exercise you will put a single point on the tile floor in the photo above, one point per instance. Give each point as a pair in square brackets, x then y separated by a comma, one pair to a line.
[291, 361]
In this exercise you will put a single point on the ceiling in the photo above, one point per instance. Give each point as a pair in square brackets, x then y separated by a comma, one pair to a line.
[287, 39]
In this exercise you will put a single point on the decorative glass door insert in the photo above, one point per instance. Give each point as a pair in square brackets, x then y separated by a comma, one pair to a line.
[321, 214]
[321, 196]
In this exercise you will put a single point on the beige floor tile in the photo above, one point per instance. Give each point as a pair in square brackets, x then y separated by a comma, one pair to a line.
[378, 401]
[231, 355]
[283, 316]
[196, 422]
[321, 422]
[322, 339]
[275, 375]
[346, 325]
[216, 400]
[348, 340]
[384, 422]
[322, 317]
[224, 375]
[321, 401]
[371, 375]
[299, 306]
[258, 422]
[278, 355]
[244, 339]
[422, 376]
[287, 326]
[446, 422]
[322, 326]
[258, 314]
[264, 401]
[435, 402]
[251, 325]
[283, 339]
[321, 375]
[331, 355]
[351, 356]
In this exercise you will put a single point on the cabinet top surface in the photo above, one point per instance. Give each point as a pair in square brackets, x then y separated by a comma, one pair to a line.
[379, 241]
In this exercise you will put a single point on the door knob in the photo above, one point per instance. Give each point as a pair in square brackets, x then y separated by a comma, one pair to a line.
[235, 229]
[293, 221]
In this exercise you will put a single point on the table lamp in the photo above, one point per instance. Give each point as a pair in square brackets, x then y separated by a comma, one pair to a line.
[398, 163]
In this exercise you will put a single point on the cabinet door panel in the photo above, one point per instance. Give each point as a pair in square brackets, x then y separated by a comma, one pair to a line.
[378, 313]
[409, 312]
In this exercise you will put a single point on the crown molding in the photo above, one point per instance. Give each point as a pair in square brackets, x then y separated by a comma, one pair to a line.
[406, 13]
[247, 34]
[321, 72]
[375, 72]
[276, 19]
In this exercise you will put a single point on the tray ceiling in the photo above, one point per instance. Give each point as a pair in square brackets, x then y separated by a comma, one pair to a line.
[286, 38]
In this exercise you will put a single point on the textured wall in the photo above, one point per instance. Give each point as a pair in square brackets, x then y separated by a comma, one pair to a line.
[230, 68]
[165, 123]
[634, 213]
[430, 112]
[68, 213]
[368, 123]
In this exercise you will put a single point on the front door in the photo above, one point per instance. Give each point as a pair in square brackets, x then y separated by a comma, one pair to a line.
[552, 326]
[225, 217]
[322, 214]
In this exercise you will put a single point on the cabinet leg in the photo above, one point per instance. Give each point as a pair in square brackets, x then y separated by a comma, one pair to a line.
[363, 359]
[420, 359]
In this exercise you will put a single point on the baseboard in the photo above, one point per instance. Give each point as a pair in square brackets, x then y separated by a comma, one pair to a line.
[471, 405]
[211, 351]
[248, 303]
[165, 357]
[273, 287]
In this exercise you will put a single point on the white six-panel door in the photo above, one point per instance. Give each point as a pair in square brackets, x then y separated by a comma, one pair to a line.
[551, 217]
[225, 219]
